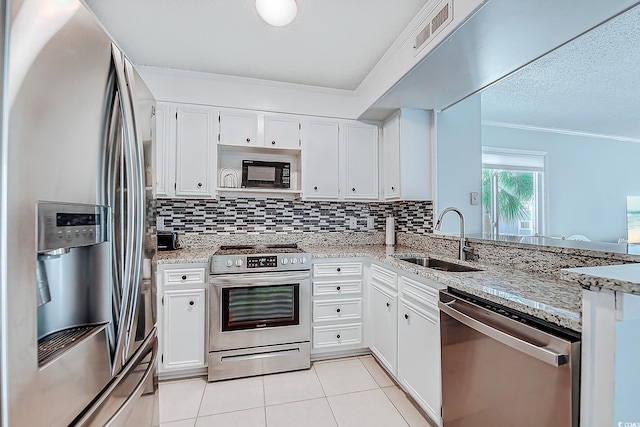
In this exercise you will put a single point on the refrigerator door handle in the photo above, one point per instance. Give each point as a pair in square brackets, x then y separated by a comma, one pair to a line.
[129, 196]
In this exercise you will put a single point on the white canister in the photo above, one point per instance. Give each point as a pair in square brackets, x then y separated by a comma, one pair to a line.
[390, 229]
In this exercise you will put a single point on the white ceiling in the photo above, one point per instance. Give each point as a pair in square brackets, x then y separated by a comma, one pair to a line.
[331, 43]
[591, 84]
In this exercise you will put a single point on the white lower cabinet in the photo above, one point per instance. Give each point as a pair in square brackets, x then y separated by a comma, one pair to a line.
[384, 321]
[182, 320]
[337, 307]
[419, 355]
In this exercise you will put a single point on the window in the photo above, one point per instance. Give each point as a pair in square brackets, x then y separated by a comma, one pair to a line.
[512, 192]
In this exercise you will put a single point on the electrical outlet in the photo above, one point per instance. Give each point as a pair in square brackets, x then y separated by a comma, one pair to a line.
[160, 223]
[370, 223]
[353, 223]
[474, 198]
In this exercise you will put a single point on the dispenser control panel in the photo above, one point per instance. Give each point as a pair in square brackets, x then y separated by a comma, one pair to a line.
[69, 225]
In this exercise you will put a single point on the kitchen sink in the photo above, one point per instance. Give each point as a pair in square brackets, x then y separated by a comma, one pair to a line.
[438, 264]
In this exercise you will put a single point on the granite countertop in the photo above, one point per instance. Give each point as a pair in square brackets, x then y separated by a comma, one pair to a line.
[624, 278]
[556, 301]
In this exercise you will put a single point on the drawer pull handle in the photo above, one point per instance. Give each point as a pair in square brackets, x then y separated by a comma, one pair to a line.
[315, 188]
[248, 139]
[192, 302]
[393, 188]
[338, 269]
[406, 316]
[388, 304]
[273, 143]
[337, 288]
[353, 189]
[184, 277]
[338, 336]
[199, 185]
[338, 311]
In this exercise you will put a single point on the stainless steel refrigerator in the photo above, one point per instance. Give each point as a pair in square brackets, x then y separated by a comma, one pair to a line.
[78, 342]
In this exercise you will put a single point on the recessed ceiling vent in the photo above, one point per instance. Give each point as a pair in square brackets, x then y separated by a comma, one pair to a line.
[436, 22]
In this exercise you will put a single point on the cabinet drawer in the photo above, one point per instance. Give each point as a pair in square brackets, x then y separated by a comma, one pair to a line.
[418, 293]
[336, 336]
[338, 287]
[338, 269]
[337, 309]
[382, 275]
[184, 276]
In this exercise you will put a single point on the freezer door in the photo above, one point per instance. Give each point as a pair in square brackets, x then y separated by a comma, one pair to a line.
[132, 398]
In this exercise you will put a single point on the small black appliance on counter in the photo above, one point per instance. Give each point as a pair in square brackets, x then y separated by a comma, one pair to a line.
[167, 241]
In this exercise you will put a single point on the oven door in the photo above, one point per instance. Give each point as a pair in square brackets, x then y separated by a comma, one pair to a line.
[257, 309]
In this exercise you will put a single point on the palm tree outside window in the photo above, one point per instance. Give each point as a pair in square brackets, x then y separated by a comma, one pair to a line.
[513, 192]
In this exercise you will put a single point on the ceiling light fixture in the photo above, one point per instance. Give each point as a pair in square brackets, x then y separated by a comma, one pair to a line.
[277, 12]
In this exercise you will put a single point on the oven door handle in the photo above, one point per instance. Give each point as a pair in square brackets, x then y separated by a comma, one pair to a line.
[541, 353]
[254, 279]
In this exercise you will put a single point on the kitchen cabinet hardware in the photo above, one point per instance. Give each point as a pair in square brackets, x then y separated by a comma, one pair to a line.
[199, 185]
[338, 287]
[338, 310]
[192, 302]
[315, 188]
[338, 336]
[338, 269]
[248, 139]
[388, 304]
[393, 188]
[273, 143]
[353, 189]
[184, 277]
[406, 316]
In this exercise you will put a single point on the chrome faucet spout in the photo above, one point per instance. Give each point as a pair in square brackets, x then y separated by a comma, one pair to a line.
[463, 246]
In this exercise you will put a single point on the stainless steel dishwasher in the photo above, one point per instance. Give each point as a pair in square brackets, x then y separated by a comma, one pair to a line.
[503, 368]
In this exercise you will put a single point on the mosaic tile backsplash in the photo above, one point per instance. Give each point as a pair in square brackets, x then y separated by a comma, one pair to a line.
[259, 216]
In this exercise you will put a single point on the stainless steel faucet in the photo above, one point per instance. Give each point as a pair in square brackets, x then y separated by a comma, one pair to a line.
[463, 247]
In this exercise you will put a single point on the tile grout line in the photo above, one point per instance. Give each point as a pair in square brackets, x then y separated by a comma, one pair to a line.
[264, 402]
[326, 398]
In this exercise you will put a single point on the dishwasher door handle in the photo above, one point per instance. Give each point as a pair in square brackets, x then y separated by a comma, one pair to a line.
[541, 353]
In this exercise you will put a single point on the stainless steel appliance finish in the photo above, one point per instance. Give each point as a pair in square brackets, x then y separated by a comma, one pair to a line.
[79, 123]
[260, 311]
[505, 368]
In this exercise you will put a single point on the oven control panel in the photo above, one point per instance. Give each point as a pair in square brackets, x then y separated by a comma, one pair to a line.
[221, 264]
[262, 261]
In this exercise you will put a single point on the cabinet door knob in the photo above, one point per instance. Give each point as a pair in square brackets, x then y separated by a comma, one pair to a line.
[337, 288]
[406, 316]
[248, 139]
[338, 269]
[315, 188]
[353, 189]
[199, 184]
[393, 188]
[184, 277]
[273, 143]
[388, 304]
[192, 302]
[338, 336]
[338, 311]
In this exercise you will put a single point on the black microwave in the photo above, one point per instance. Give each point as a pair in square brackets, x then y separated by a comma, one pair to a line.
[259, 174]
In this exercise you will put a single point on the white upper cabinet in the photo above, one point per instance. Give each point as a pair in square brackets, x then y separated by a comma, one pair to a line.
[164, 151]
[196, 152]
[320, 148]
[281, 131]
[361, 142]
[258, 129]
[239, 127]
[391, 159]
[406, 151]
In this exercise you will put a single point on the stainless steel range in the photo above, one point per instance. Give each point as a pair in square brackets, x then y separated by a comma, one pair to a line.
[260, 307]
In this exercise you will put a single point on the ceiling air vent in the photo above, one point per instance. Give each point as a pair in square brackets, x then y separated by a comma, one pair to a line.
[436, 22]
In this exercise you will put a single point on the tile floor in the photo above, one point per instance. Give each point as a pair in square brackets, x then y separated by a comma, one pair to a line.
[344, 392]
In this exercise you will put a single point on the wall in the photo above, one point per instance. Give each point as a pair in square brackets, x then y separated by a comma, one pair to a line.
[458, 163]
[588, 179]
[260, 216]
